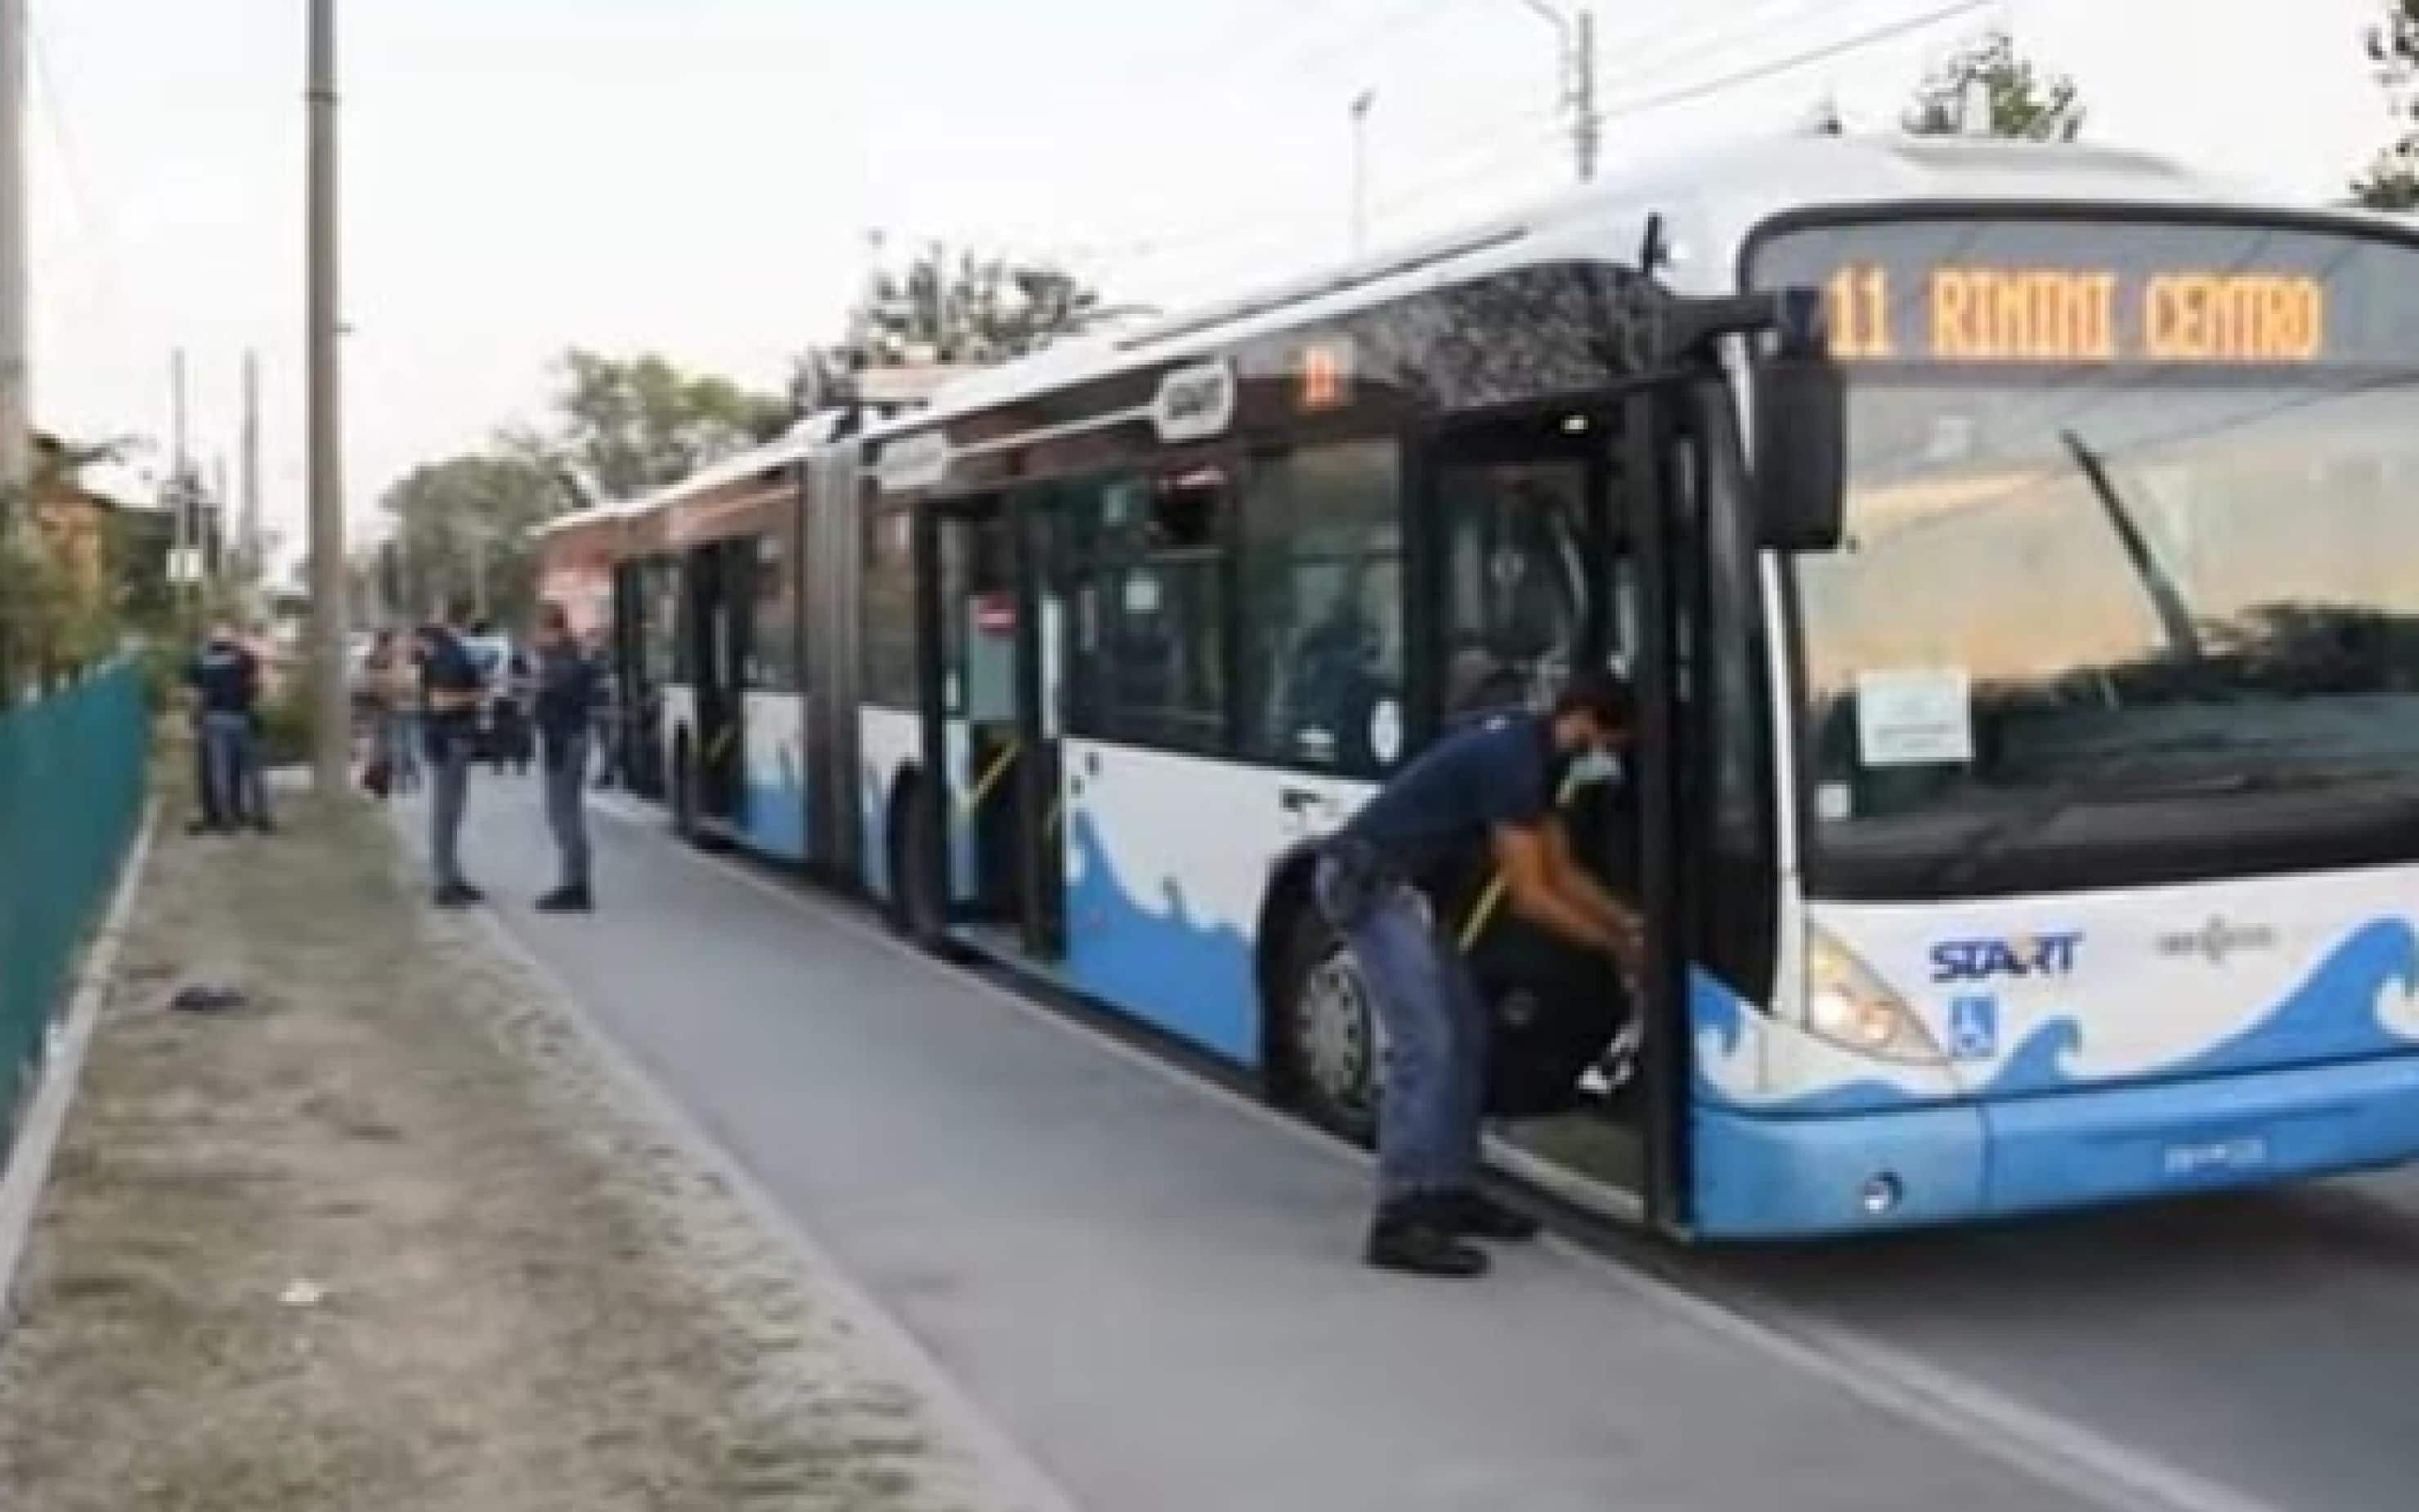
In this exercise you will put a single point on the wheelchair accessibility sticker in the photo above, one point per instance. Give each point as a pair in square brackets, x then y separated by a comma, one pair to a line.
[1973, 1028]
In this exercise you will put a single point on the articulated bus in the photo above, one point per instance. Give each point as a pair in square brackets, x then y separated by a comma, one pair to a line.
[2026, 811]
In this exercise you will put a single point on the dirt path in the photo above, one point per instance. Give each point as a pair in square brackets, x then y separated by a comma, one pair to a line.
[530, 1299]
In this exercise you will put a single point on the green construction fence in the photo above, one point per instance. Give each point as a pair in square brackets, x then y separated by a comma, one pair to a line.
[73, 766]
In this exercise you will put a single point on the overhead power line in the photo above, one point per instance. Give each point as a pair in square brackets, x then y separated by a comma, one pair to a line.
[1771, 69]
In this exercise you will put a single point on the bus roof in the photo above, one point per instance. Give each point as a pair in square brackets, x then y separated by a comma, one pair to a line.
[1710, 204]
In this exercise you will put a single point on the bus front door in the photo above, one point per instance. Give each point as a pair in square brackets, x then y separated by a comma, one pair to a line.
[1538, 569]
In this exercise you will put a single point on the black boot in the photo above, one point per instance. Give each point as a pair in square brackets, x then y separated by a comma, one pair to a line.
[1411, 1235]
[1474, 1214]
[567, 900]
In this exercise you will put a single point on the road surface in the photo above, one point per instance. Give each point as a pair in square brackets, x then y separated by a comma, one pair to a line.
[1149, 1284]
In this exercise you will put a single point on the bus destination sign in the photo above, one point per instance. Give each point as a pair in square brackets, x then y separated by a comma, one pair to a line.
[2074, 315]
[2177, 292]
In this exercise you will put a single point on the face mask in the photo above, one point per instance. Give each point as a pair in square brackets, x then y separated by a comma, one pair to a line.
[1595, 765]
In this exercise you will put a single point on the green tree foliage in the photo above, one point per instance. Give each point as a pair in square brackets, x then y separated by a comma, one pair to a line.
[963, 307]
[2390, 181]
[2026, 102]
[621, 428]
[628, 425]
[51, 620]
[462, 531]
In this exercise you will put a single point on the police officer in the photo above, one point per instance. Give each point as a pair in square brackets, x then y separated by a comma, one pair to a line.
[225, 679]
[451, 688]
[566, 699]
[1491, 785]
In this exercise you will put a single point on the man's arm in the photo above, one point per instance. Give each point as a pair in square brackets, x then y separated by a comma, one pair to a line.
[1582, 885]
[1524, 855]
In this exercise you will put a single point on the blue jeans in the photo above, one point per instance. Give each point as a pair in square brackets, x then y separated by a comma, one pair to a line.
[566, 782]
[237, 793]
[450, 754]
[1433, 1092]
[402, 733]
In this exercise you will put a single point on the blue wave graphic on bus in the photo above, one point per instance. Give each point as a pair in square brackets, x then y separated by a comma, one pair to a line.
[2334, 1012]
[1186, 975]
[2333, 1015]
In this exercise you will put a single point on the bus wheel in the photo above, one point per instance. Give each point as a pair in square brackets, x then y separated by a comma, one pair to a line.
[1327, 1031]
[684, 793]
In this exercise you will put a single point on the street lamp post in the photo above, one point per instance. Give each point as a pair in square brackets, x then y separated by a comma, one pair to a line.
[1577, 30]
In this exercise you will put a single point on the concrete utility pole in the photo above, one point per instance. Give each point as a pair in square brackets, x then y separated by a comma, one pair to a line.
[16, 386]
[332, 752]
[248, 533]
[1577, 30]
[181, 498]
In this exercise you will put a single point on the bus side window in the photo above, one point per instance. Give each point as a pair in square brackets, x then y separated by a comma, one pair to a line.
[1323, 609]
[1516, 589]
[1147, 565]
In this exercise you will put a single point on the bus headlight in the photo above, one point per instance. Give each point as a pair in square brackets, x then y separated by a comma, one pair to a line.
[1849, 1005]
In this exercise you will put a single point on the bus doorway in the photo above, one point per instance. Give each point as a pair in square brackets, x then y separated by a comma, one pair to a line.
[720, 595]
[1538, 551]
[985, 731]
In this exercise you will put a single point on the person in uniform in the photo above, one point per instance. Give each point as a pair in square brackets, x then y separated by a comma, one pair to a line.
[1490, 785]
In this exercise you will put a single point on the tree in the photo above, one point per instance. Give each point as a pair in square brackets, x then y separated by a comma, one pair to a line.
[462, 532]
[2026, 102]
[2390, 181]
[965, 308]
[630, 425]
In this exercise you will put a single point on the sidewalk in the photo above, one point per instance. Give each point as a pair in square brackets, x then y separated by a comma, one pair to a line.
[387, 1237]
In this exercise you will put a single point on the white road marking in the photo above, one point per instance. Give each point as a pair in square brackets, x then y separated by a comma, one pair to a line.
[2085, 1465]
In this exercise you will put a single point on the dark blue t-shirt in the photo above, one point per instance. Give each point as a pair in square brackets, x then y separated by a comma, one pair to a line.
[447, 666]
[226, 677]
[567, 692]
[1449, 801]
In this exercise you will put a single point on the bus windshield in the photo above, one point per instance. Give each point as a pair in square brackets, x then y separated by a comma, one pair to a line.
[2130, 586]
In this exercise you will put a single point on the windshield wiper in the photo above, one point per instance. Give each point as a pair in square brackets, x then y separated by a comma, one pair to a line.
[2174, 616]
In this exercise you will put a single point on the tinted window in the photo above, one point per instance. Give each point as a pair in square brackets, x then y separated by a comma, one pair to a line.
[1145, 583]
[1322, 627]
[890, 605]
[772, 640]
[1516, 581]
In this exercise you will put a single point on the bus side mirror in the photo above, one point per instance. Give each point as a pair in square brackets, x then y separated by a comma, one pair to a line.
[1801, 446]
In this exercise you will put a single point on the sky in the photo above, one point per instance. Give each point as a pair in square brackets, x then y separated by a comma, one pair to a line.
[708, 178]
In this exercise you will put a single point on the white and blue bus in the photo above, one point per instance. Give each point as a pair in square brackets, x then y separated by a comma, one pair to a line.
[2026, 808]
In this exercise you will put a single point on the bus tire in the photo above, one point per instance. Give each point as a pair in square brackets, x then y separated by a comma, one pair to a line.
[1326, 1031]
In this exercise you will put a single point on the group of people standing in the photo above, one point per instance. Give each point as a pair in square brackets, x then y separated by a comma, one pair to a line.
[224, 677]
[438, 693]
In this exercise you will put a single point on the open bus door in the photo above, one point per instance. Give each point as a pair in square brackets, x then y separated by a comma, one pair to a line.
[719, 588]
[1549, 544]
[991, 823]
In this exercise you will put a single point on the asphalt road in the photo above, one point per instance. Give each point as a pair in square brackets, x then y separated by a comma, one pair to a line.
[1151, 1286]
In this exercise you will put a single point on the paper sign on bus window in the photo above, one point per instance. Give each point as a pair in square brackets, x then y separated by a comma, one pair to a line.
[1914, 717]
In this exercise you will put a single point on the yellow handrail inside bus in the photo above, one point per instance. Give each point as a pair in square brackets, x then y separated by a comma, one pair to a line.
[991, 775]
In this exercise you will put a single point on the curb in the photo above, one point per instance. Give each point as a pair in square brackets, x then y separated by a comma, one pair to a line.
[29, 1164]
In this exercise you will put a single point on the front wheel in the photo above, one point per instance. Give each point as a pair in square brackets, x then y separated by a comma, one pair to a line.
[1327, 1031]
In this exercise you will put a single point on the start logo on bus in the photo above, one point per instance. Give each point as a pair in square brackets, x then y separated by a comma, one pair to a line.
[2074, 315]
